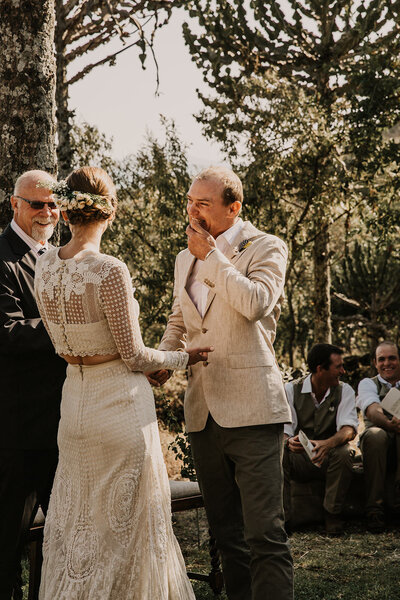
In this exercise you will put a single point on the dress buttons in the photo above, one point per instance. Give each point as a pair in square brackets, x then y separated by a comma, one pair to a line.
[205, 363]
[204, 330]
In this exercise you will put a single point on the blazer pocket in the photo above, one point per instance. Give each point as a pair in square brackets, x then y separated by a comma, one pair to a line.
[245, 361]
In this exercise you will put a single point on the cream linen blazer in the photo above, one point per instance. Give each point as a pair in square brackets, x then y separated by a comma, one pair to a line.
[241, 384]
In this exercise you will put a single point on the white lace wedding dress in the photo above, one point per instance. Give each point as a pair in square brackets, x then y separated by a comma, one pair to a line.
[108, 532]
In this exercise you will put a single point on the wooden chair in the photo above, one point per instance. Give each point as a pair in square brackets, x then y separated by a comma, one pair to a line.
[185, 495]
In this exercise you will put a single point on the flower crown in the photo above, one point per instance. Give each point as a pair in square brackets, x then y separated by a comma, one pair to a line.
[67, 199]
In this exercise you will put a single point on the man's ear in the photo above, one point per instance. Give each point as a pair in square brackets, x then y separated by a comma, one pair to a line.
[235, 208]
[13, 201]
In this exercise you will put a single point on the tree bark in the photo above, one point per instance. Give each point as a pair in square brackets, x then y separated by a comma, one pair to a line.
[27, 93]
[64, 149]
[322, 285]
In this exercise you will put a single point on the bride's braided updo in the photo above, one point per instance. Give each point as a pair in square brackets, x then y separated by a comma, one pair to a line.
[92, 180]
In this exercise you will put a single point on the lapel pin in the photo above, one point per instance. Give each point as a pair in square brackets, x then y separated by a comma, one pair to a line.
[244, 244]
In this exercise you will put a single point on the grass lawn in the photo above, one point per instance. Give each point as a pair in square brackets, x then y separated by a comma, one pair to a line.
[356, 566]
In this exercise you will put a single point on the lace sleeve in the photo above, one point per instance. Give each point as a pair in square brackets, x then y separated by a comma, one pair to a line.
[118, 304]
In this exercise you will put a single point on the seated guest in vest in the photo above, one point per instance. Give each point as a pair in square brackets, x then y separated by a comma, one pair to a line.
[324, 409]
[380, 441]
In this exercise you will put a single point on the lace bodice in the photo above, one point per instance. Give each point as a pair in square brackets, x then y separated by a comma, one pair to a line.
[88, 308]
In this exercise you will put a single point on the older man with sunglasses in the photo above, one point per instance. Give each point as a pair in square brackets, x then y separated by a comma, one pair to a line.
[31, 376]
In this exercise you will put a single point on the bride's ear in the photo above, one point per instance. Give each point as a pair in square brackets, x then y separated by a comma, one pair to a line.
[64, 216]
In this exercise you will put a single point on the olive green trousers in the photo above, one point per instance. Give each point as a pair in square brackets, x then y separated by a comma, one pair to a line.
[239, 470]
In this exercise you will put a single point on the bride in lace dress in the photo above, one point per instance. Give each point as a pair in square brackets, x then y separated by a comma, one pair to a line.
[108, 532]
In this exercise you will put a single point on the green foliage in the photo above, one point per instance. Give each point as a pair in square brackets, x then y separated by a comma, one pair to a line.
[91, 147]
[301, 98]
[366, 287]
[181, 448]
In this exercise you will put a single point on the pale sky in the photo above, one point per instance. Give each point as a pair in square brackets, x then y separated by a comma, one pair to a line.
[121, 100]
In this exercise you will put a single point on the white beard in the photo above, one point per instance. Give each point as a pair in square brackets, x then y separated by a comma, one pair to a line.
[42, 234]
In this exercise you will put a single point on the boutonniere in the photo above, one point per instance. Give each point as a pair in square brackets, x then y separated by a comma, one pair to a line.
[244, 244]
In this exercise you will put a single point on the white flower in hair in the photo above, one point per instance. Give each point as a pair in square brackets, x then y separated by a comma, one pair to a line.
[67, 199]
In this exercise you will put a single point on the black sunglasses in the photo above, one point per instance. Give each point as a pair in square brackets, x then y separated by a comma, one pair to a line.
[37, 205]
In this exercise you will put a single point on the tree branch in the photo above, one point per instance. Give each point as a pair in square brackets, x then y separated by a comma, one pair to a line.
[108, 58]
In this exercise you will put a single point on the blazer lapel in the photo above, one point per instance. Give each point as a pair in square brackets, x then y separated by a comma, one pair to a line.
[210, 298]
[188, 268]
[18, 246]
[186, 300]
[242, 241]
[27, 257]
[187, 304]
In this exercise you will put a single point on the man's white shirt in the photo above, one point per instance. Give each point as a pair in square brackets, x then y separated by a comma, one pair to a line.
[346, 412]
[33, 244]
[367, 393]
[197, 291]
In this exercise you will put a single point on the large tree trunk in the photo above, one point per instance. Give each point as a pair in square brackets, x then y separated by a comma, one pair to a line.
[64, 150]
[27, 93]
[322, 288]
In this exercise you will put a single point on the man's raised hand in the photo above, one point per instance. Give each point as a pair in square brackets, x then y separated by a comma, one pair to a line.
[200, 242]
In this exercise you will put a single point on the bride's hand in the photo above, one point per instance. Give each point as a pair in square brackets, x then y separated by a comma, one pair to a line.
[198, 354]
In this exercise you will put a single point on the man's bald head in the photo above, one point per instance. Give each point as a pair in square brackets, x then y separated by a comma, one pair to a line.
[37, 223]
[31, 179]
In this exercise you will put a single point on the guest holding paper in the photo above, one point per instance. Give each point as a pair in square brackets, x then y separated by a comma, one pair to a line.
[380, 443]
[324, 409]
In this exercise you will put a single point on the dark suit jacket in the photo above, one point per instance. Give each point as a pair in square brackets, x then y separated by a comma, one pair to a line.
[31, 374]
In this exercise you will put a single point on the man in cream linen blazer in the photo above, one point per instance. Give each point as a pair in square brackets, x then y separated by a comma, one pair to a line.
[228, 291]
